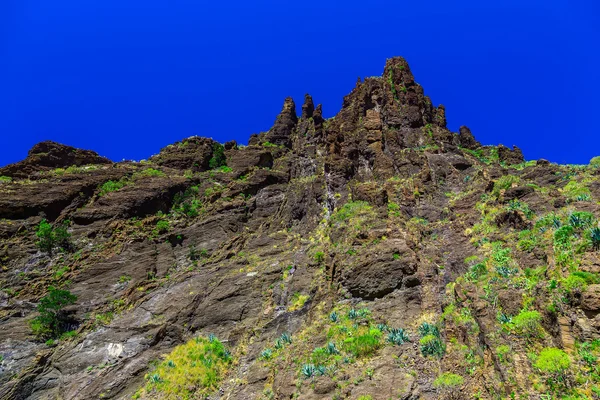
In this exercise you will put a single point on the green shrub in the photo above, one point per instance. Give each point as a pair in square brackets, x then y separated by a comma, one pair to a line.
[192, 370]
[162, 226]
[528, 241]
[51, 321]
[575, 191]
[555, 363]
[218, 157]
[350, 210]
[5, 179]
[517, 205]
[585, 352]
[595, 162]
[394, 209]
[148, 172]
[320, 355]
[502, 351]
[503, 183]
[574, 283]
[527, 323]
[588, 277]
[298, 300]
[50, 237]
[549, 220]
[319, 257]
[448, 382]
[477, 271]
[187, 203]
[365, 344]
[225, 169]
[563, 237]
[112, 186]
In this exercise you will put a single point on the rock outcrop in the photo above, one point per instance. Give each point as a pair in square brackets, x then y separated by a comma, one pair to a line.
[304, 253]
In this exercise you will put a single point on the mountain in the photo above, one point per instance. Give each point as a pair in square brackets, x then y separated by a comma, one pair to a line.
[373, 255]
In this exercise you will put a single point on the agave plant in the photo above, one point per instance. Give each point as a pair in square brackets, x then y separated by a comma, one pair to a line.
[556, 222]
[503, 318]
[266, 354]
[382, 327]
[286, 338]
[595, 237]
[320, 370]
[352, 314]
[333, 317]
[583, 197]
[428, 329]
[506, 272]
[155, 378]
[397, 336]
[432, 345]
[308, 370]
[171, 364]
[581, 219]
[331, 349]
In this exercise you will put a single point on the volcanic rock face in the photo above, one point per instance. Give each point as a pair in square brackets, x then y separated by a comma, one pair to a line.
[303, 255]
[50, 155]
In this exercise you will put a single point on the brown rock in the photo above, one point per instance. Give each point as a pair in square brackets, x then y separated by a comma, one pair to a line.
[50, 155]
[514, 156]
[281, 132]
[590, 300]
[466, 139]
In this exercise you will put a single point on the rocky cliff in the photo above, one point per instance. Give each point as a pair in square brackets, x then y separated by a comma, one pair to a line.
[373, 255]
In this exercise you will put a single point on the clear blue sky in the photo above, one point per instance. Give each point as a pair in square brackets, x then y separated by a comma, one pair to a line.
[127, 77]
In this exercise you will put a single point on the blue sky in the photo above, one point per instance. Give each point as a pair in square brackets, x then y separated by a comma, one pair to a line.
[125, 78]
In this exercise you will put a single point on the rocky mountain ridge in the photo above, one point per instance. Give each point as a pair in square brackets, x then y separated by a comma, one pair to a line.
[372, 255]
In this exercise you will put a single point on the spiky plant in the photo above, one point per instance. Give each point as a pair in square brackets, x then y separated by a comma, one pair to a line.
[286, 338]
[308, 371]
[332, 349]
[320, 370]
[333, 317]
[428, 329]
[397, 336]
[595, 238]
[266, 354]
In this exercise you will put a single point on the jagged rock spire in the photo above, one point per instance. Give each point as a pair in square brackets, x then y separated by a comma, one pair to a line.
[466, 139]
[284, 125]
[308, 107]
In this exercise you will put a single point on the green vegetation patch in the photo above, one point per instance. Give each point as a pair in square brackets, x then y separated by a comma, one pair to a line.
[50, 237]
[112, 186]
[192, 370]
[352, 210]
[505, 182]
[218, 158]
[51, 322]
